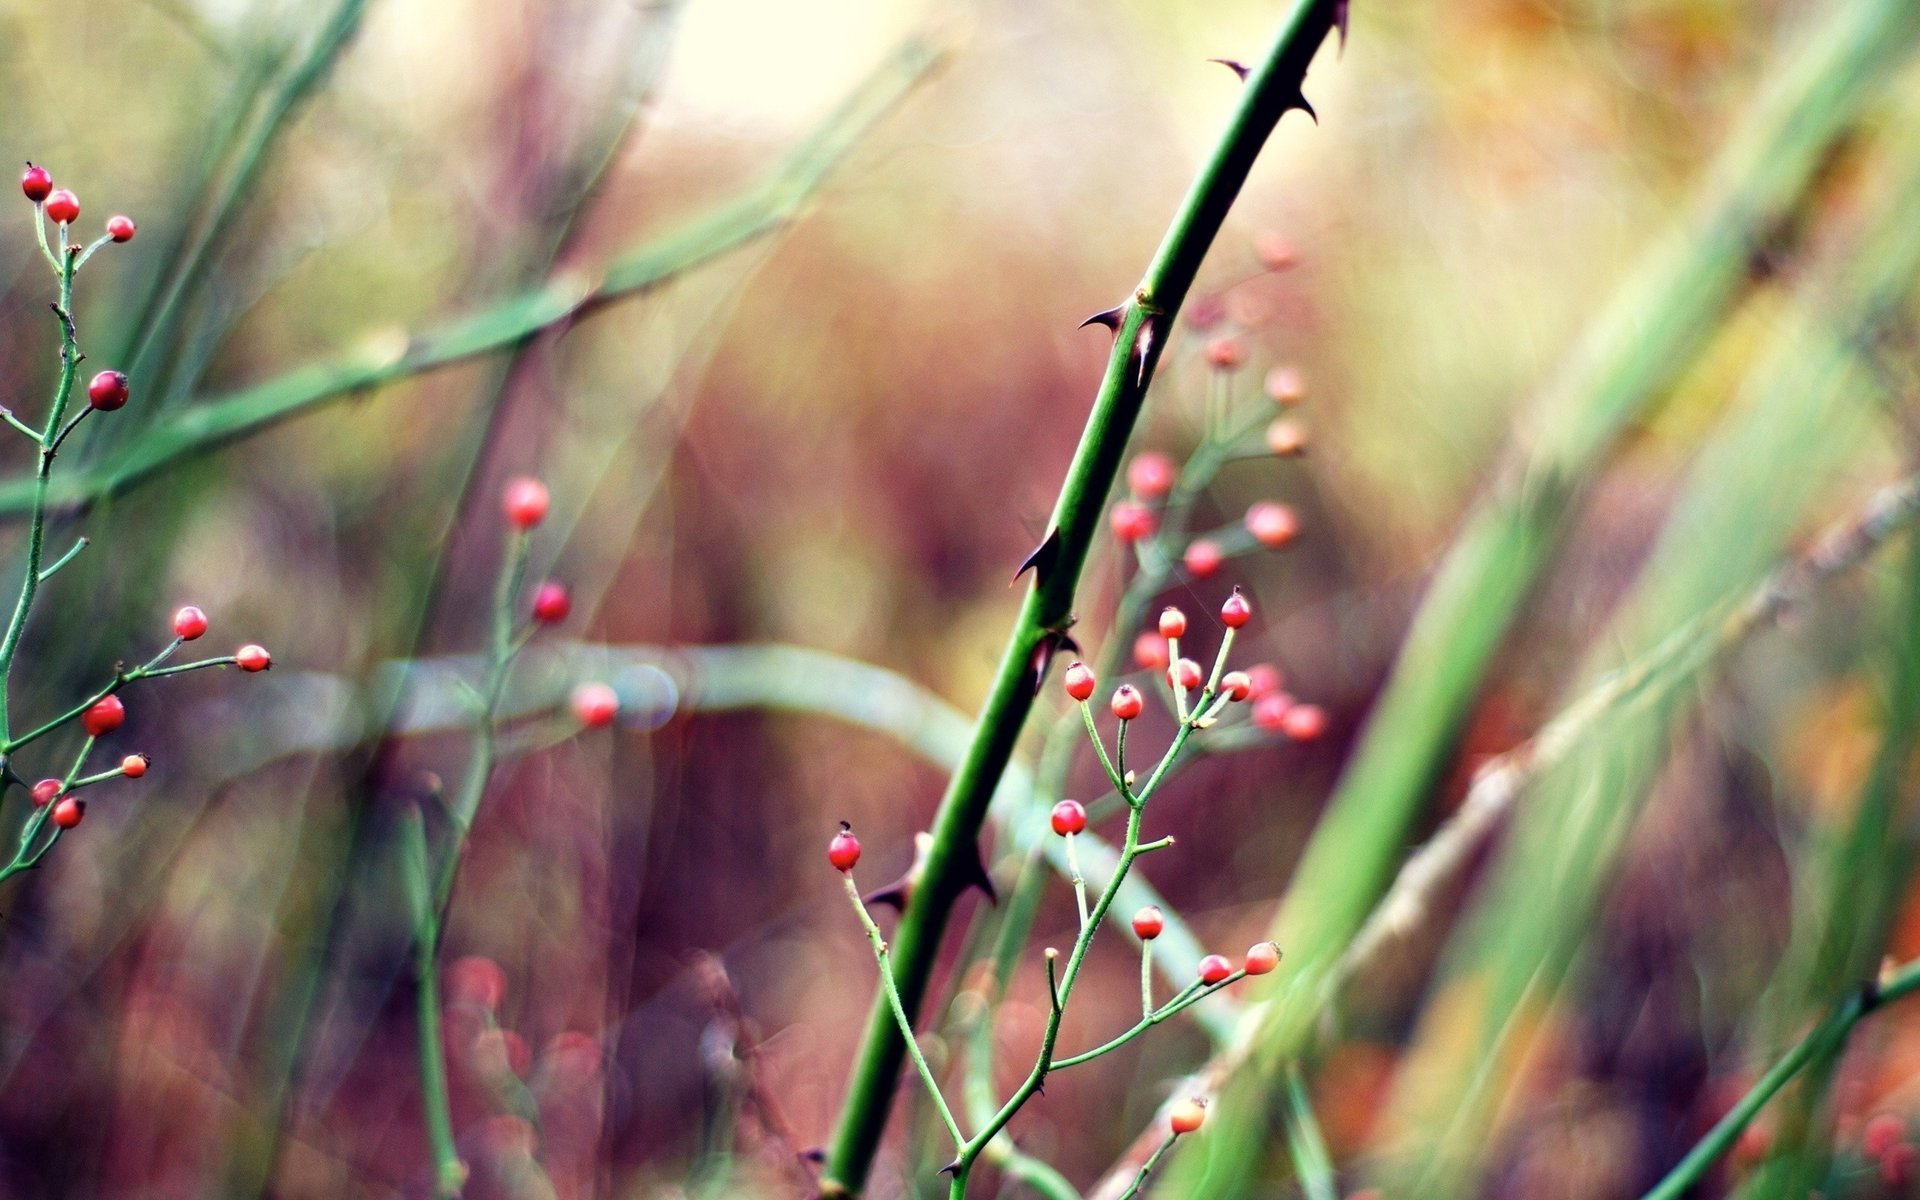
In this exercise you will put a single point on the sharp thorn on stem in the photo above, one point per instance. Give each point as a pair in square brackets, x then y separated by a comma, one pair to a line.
[952, 1168]
[1145, 345]
[1238, 68]
[974, 874]
[1340, 21]
[900, 891]
[1299, 101]
[1110, 317]
[1040, 562]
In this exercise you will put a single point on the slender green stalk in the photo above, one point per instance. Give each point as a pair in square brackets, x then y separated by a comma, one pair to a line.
[900, 1014]
[449, 1173]
[1146, 1168]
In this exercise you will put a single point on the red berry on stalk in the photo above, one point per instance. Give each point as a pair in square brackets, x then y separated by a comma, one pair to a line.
[63, 206]
[1286, 438]
[1185, 675]
[68, 812]
[189, 623]
[1270, 712]
[121, 228]
[526, 502]
[36, 183]
[133, 766]
[1203, 557]
[45, 792]
[551, 603]
[1236, 686]
[252, 658]
[1127, 702]
[1263, 958]
[1173, 622]
[1151, 475]
[474, 981]
[1224, 354]
[1304, 722]
[844, 850]
[1187, 1116]
[1150, 652]
[1883, 1131]
[1236, 612]
[1214, 968]
[107, 391]
[1149, 922]
[104, 717]
[595, 705]
[1131, 522]
[1272, 525]
[1079, 680]
[1069, 817]
[1263, 679]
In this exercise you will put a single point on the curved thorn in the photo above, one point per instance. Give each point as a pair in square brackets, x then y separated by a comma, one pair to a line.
[1238, 68]
[1040, 562]
[1299, 101]
[1109, 317]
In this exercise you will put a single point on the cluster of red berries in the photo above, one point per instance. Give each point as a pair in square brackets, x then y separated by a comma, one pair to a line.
[526, 503]
[1261, 959]
[1884, 1140]
[63, 207]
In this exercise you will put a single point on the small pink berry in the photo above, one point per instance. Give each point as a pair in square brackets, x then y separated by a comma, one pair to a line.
[1214, 968]
[1079, 680]
[1275, 253]
[1173, 622]
[1206, 311]
[189, 623]
[595, 705]
[133, 766]
[1149, 922]
[1270, 712]
[1151, 475]
[1304, 722]
[1263, 679]
[1883, 1131]
[103, 717]
[67, 813]
[1236, 612]
[1187, 1116]
[36, 183]
[45, 792]
[1132, 522]
[475, 981]
[121, 228]
[1236, 686]
[1286, 438]
[844, 850]
[1150, 652]
[1224, 354]
[1286, 386]
[1203, 557]
[1127, 702]
[551, 603]
[1069, 817]
[1262, 958]
[63, 206]
[1185, 675]
[526, 502]
[251, 657]
[107, 391]
[1272, 525]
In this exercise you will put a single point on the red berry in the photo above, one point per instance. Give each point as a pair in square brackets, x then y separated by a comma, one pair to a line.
[1203, 557]
[1151, 652]
[1132, 522]
[1263, 679]
[1223, 354]
[1897, 1165]
[1151, 475]
[1304, 722]
[36, 183]
[1263, 958]
[1149, 922]
[133, 766]
[1206, 311]
[1127, 702]
[45, 792]
[1185, 674]
[595, 705]
[1286, 438]
[68, 812]
[1883, 1131]
[1186, 1116]
[1236, 686]
[252, 658]
[1286, 386]
[104, 717]
[526, 502]
[189, 623]
[551, 603]
[1272, 525]
[107, 391]
[1080, 681]
[475, 981]
[63, 206]
[1069, 817]
[121, 228]
[1173, 622]
[1236, 612]
[1214, 968]
[844, 850]
[1270, 712]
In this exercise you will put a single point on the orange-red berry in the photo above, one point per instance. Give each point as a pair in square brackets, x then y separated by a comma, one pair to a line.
[1236, 612]
[1270, 712]
[107, 390]
[251, 657]
[1203, 557]
[1132, 522]
[1150, 652]
[1185, 674]
[1079, 680]
[1149, 922]
[1214, 968]
[1882, 1132]
[1173, 622]
[1127, 702]
[1304, 722]
[1262, 958]
[1286, 438]
[104, 716]
[45, 792]
[1069, 817]
[189, 623]
[551, 603]
[526, 502]
[1272, 525]
[36, 183]
[1263, 679]
[1187, 1116]
[1224, 354]
[475, 981]
[133, 766]
[595, 705]
[121, 228]
[67, 813]
[1236, 686]
[844, 850]
[1151, 475]
[63, 206]
[1286, 386]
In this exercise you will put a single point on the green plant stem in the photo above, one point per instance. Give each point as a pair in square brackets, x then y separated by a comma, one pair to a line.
[449, 1173]
[1825, 1039]
[1194, 993]
[1146, 1168]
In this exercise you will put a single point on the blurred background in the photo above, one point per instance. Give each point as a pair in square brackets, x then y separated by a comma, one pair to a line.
[781, 302]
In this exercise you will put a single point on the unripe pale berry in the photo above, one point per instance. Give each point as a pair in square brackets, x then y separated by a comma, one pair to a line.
[1185, 674]
[1270, 712]
[551, 603]
[595, 705]
[1127, 702]
[1069, 817]
[1203, 557]
[526, 502]
[1287, 438]
[67, 813]
[1173, 622]
[1236, 686]
[1149, 922]
[1262, 958]
[63, 206]
[1187, 1116]
[1236, 612]
[121, 228]
[1131, 522]
[189, 623]
[45, 792]
[107, 390]
[844, 850]
[1151, 475]
[1224, 354]
[36, 183]
[1304, 722]
[1214, 968]
[1150, 651]
[1079, 680]
[104, 716]
[133, 766]
[1285, 386]
[251, 657]
[1272, 525]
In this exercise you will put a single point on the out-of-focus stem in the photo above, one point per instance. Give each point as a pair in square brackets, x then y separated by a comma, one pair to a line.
[449, 1174]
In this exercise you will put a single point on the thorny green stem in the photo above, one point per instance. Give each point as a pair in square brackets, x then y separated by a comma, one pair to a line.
[1143, 324]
